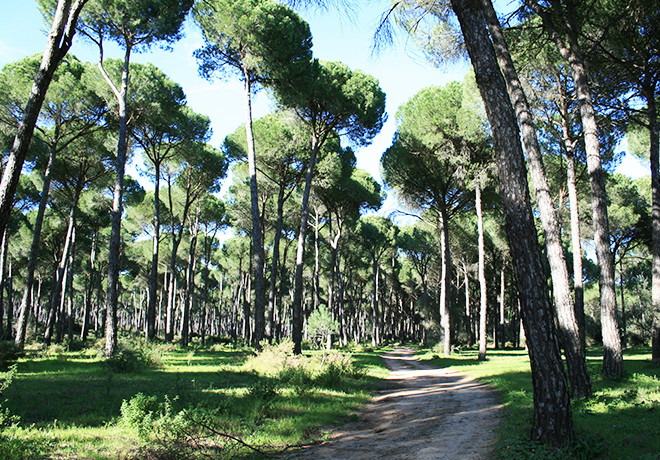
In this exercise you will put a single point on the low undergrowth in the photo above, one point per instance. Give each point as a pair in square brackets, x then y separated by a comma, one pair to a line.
[161, 401]
[619, 421]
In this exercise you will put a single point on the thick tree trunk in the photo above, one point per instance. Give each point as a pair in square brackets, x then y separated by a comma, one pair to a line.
[23, 316]
[568, 325]
[59, 41]
[300, 252]
[117, 209]
[258, 257]
[483, 295]
[570, 50]
[552, 423]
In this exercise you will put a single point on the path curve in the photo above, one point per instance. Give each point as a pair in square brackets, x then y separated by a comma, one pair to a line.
[424, 413]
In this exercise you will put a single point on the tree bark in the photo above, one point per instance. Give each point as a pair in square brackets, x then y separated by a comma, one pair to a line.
[654, 153]
[483, 295]
[153, 276]
[445, 284]
[258, 257]
[570, 50]
[300, 252]
[26, 301]
[568, 325]
[117, 207]
[59, 41]
[552, 422]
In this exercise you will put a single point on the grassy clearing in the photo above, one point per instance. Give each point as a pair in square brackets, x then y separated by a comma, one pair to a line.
[620, 421]
[165, 402]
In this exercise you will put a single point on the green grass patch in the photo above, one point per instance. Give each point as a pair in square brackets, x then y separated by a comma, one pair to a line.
[165, 402]
[621, 419]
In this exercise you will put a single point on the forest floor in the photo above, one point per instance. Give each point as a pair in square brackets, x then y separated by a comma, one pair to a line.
[423, 412]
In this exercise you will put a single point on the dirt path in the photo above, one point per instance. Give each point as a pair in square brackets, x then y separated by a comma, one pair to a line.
[425, 413]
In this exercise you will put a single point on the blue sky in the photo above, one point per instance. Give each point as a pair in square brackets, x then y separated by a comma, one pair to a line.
[401, 70]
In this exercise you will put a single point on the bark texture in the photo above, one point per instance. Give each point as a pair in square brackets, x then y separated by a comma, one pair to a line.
[552, 422]
[59, 41]
[570, 50]
[565, 308]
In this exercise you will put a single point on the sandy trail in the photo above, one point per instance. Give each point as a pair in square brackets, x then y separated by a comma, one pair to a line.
[424, 413]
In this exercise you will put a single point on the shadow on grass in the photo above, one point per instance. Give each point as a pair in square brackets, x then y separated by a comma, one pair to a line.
[80, 392]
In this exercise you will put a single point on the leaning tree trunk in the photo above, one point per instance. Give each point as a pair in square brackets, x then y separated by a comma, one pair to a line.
[570, 51]
[552, 422]
[117, 207]
[26, 300]
[568, 325]
[483, 297]
[60, 39]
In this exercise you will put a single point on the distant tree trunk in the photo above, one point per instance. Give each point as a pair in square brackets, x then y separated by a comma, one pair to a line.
[375, 333]
[612, 351]
[88, 298]
[445, 284]
[483, 294]
[502, 324]
[190, 280]
[59, 279]
[60, 39]
[552, 422]
[568, 325]
[153, 275]
[272, 292]
[468, 313]
[24, 312]
[258, 257]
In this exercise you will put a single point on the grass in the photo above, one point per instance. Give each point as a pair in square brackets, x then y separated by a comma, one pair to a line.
[70, 403]
[621, 420]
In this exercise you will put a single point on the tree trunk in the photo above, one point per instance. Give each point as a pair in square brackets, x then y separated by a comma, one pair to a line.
[552, 422]
[258, 257]
[483, 294]
[190, 280]
[654, 153]
[59, 41]
[88, 298]
[117, 208]
[444, 285]
[300, 252]
[272, 292]
[153, 276]
[21, 327]
[59, 280]
[568, 325]
[570, 50]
